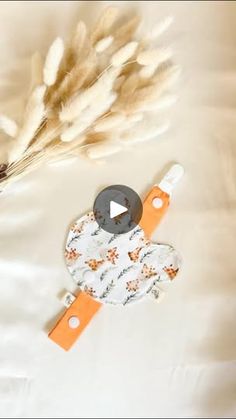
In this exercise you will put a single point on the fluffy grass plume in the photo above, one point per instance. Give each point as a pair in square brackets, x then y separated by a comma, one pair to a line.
[93, 95]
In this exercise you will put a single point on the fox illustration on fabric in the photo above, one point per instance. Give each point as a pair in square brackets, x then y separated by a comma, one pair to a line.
[89, 290]
[94, 264]
[132, 285]
[148, 271]
[90, 218]
[170, 271]
[134, 255]
[144, 241]
[112, 255]
[76, 228]
[71, 255]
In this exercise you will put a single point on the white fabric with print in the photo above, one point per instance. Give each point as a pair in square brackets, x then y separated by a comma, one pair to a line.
[117, 269]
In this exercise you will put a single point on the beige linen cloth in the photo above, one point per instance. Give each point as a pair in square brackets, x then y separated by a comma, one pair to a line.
[177, 358]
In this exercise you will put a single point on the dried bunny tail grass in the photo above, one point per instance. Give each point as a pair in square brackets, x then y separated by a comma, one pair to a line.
[77, 104]
[53, 61]
[144, 131]
[128, 104]
[150, 93]
[79, 40]
[106, 101]
[51, 130]
[104, 24]
[74, 130]
[34, 115]
[124, 54]
[151, 60]
[99, 95]
[154, 56]
[119, 82]
[24, 167]
[130, 85]
[168, 75]
[103, 44]
[18, 174]
[8, 126]
[110, 122]
[64, 148]
[160, 28]
[97, 138]
[103, 150]
[80, 75]
[147, 71]
[136, 117]
[164, 102]
[88, 117]
[125, 32]
[104, 84]
[75, 50]
[128, 123]
[36, 70]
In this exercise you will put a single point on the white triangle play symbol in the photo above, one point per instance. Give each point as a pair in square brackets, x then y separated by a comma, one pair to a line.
[116, 209]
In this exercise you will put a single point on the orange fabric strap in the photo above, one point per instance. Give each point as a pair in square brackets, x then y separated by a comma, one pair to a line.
[152, 216]
[84, 307]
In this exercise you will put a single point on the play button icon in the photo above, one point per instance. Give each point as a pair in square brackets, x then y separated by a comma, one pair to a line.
[118, 209]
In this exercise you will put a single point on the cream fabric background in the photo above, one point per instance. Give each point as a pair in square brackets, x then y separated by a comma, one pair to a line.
[172, 359]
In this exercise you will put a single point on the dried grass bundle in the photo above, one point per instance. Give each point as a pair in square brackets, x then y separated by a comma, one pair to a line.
[93, 96]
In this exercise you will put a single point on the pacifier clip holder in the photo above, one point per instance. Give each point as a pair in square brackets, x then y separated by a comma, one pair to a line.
[81, 308]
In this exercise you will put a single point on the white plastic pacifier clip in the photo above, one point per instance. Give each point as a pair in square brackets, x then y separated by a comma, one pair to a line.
[171, 178]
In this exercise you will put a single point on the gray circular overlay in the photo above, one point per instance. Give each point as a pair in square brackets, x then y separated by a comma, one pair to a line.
[116, 195]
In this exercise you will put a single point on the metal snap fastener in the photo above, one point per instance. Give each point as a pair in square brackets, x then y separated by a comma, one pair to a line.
[74, 322]
[157, 202]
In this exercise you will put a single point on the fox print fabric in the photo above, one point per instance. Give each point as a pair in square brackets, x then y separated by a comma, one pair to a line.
[123, 267]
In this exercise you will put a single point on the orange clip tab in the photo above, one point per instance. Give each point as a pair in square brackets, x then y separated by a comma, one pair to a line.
[154, 208]
[74, 320]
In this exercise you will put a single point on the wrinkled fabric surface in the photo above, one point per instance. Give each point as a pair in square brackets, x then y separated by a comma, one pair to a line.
[177, 358]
